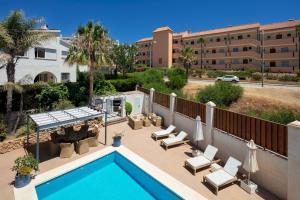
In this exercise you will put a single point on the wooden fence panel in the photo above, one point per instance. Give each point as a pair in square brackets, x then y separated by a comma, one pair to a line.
[190, 108]
[162, 99]
[269, 135]
[141, 89]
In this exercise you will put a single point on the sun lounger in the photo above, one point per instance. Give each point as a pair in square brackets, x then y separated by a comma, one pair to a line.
[178, 139]
[225, 175]
[163, 133]
[202, 161]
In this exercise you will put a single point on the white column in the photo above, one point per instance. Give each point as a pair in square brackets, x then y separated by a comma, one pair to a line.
[152, 90]
[136, 87]
[123, 111]
[293, 192]
[172, 107]
[209, 122]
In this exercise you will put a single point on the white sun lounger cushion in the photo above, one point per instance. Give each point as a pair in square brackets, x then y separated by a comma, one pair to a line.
[177, 138]
[198, 161]
[232, 166]
[166, 132]
[219, 177]
[210, 152]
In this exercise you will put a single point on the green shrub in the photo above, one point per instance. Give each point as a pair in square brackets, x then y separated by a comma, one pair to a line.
[282, 117]
[62, 104]
[215, 74]
[149, 76]
[104, 88]
[177, 82]
[51, 94]
[124, 85]
[271, 76]
[128, 108]
[222, 94]
[298, 73]
[288, 77]
[24, 164]
[256, 76]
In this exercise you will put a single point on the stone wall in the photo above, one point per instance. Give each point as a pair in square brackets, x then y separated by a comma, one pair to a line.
[10, 145]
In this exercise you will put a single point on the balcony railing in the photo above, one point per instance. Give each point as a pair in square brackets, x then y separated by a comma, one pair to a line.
[245, 42]
[280, 55]
[252, 54]
[277, 42]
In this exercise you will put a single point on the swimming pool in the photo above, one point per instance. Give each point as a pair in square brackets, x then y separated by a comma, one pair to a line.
[110, 177]
[109, 173]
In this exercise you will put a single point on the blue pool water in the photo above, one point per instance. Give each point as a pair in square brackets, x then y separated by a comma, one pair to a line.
[110, 177]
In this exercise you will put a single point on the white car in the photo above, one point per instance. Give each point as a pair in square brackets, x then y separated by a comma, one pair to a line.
[229, 78]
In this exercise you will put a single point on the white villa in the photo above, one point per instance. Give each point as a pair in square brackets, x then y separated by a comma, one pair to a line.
[45, 62]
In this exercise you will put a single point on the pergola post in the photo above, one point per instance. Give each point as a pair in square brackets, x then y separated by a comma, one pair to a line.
[38, 146]
[105, 127]
[27, 132]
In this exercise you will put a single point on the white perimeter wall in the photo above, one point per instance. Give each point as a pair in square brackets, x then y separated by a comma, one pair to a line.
[273, 172]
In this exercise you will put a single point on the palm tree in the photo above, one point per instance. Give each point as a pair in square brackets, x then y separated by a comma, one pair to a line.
[298, 33]
[90, 47]
[201, 41]
[187, 57]
[16, 37]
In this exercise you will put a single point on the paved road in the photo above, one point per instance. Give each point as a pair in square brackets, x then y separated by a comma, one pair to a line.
[250, 85]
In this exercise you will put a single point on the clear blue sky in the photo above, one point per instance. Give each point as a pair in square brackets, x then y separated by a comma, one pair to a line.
[130, 20]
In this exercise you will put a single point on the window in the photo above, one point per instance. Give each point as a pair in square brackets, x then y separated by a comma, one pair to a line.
[240, 37]
[245, 48]
[268, 37]
[160, 61]
[285, 63]
[213, 51]
[235, 61]
[279, 36]
[146, 45]
[213, 62]
[221, 62]
[284, 49]
[232, 37]
[23, 54]
[221, 50]
[65, 77]
[235, 50]
[64, 53]
[248, 36]
[144, 53]
[249, 48]
[289, 35]
[250, 59]
[207, 61]
[225, 38]
[173, 60]
[272, 64]
[187, 42]
[196, 52]
[39, 53]
[175, 41]
[211, 40]
[272, 50]
[245, 61]
[196, 62]
[218, 39]
[192, 42]
[174, 51]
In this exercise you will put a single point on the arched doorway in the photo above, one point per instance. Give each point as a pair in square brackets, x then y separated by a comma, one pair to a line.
[45, 77]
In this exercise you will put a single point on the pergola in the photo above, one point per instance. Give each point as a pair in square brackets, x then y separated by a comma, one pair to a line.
[54, 119]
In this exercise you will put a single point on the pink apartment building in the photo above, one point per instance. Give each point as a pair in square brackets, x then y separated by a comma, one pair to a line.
[234, 47]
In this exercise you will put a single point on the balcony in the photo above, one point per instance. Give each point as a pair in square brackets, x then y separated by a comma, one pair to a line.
[282, 69]
[245, 42]
[215, 55]
[217, 66]
[280, 55]
[178, 46]
[215, 44]
[244, 66]
[242, 54]
[278, 42]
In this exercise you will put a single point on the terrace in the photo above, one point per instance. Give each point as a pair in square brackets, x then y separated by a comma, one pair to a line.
[226, 130]
[140, 142]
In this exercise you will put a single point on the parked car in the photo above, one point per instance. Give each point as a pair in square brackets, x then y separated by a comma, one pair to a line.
[228, 78]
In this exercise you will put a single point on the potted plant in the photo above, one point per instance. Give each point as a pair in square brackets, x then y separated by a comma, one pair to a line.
[23, 167]
[2, 136]
[117, 139]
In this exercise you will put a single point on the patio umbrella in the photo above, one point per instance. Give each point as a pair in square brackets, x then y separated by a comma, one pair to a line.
[250, 163]
[198, 135]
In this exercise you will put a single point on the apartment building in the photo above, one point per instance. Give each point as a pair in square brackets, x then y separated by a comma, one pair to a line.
[230, 48]
[45, 62]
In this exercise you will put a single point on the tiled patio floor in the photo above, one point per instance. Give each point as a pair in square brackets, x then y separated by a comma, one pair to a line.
[139, 141]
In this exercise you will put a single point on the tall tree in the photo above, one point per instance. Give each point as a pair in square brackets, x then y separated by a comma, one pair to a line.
[90, 47]
[124, 57]
[298, 34]
[187, 57]
[201, 41]
[16, 37]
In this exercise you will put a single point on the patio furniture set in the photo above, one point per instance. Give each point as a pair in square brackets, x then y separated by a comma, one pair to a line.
[219, 177]
[140, 120]
[78, 138]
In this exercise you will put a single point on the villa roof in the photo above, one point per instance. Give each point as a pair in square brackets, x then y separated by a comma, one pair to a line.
[288, 24]
[145, 39]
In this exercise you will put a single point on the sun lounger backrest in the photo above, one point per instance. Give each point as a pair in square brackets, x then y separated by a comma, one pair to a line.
[182, 135]
[210, 152]
[232, 166]
[170, 129]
